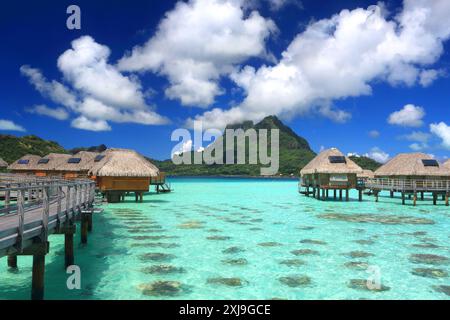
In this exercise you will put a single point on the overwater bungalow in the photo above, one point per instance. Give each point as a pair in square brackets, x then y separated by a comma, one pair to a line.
[330, 170]
[78, 165]
[46, 166]
[3, 164]
[24, 165]
[412, 174]
[365, 175]
[120, 171]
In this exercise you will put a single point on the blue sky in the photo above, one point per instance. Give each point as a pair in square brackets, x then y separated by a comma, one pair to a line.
[347, 74]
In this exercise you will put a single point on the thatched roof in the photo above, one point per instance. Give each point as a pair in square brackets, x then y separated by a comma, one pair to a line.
[54, 160]
[410, 164]
[32, 161]
[3, 163]
[123, 163]
[322, 164]
[366, 174]
[447, 165]
[86, 162]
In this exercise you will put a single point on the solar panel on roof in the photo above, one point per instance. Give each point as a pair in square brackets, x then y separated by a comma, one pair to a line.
[23, 161]
[99, 157]
[430, 163]
[74, 160]
[42, 161]
[337, 159]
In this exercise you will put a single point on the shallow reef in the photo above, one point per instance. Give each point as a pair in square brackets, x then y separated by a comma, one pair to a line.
[219, 238]
[376, 218]
[194, 224]
[428, 259]
[358, 254]
[361, 284]
[295, 281]
[161, 288]
[442, 288]
[358, 265]
[312, 241]
[156, 256]
[230, 282]
[269, 244]
[304, 252]
[292, 262]
[162, 269]
[235, 262]
[232, 250]
[430, 273]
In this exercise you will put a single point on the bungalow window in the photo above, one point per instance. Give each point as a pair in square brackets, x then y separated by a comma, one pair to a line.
[99, 158]
[430, 163]
[74, 160]
[23, 161]
[337, 159]
[43, 161]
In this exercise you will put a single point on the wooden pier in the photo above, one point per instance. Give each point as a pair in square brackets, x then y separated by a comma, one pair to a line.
[42, 206]
[411, 188]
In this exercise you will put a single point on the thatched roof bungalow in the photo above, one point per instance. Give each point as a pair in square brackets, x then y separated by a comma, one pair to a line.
[418, 166]
[46, 166]
[330, 169]
[123, 170]
[78, 165]
[366, 174]
[3, 163]
[25, 164]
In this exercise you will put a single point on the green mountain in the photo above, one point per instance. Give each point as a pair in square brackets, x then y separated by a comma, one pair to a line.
[99, 148]
[294, 153]
[366, 162]
[13, 148]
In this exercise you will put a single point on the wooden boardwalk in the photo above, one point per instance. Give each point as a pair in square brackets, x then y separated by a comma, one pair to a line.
[42, 206]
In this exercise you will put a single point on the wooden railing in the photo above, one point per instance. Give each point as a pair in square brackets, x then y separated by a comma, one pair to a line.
[47, 202]
[408, 184]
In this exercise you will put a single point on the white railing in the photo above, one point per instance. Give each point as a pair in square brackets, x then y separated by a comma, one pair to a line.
[408, 184]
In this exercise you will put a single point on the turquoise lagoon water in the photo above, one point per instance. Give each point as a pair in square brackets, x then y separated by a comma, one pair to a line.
[283, 245]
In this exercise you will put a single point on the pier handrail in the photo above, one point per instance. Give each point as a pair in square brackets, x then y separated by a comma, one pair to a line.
[44, 194]
[408, 184]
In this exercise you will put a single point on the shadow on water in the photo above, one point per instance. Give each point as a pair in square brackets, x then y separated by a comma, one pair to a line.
[91, 258]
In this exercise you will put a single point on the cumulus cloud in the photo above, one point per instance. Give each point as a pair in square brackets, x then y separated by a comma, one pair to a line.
[9, 125]
[442, 131]
[409, 116]
[99, 92]
[378, 155]
[418, 136]
[341, 57]
[186, 147]
[427, 77]
[57, 113]
[198, 42]
[91, 125]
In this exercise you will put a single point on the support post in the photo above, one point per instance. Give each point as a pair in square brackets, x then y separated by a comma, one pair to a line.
[68, 245]
[360, 195]
[12, 261]
[37, 282]
[446, 199]
[347, 194]
[340, 194]
[376, 192]
[434, 198]
[403, 197]
[84, 228]
[415, 199]
[7, 198]
[89, 218]
[391, 194]
[421, 196]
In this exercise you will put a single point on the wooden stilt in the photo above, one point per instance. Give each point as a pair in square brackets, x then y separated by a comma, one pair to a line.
[360, 195]
[68, 249]
[403, 198]
[84, 228]
[307, 191]
[335, 194]
[340, 194]
[12, 261]
[347, 194]
[141, 195]
[37, 282]
[415, 199]
[421, 196]
[434, 198]
[446, 199]
[443, 197]
[391, 194]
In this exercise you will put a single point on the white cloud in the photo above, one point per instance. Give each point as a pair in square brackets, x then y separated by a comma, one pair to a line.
[418, 136]
[100, 92]
[92, 125]
[378, 155]
[54, 90]
[409, 116]
[186, 147]
[58, 113]
[197, 43]
[427, 77]
[9, 125]
[416, 146]
[341, 57]
[442, 131]
[374, 134]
